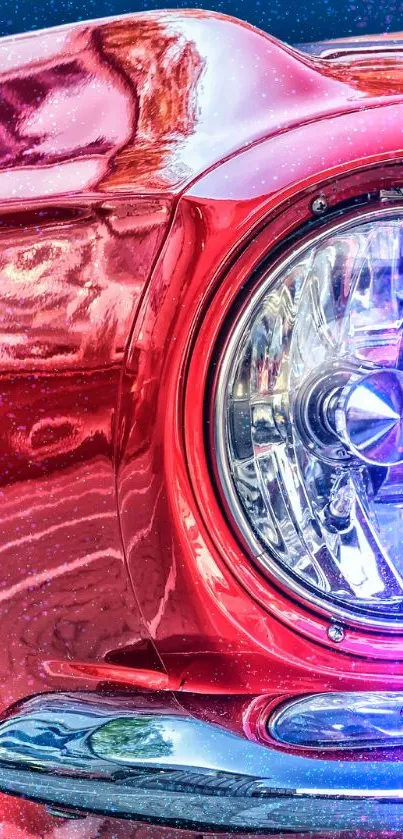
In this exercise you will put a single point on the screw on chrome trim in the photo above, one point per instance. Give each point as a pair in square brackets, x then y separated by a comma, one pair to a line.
[335, 633]
[393, 194]
[319, 205]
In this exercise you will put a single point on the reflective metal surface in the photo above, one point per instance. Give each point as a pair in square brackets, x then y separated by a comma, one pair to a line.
[124, 756]
[341, 721]
[369, 417]
[316, 347]
[355, 47]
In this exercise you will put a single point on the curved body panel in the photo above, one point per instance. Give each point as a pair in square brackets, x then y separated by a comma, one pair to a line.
[147, 165]
[147, 103]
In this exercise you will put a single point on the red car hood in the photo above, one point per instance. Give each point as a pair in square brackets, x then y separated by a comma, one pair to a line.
[147, 103]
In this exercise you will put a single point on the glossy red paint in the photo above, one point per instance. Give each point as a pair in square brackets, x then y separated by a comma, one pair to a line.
[225, 634]
[70, 283]
[147, 164]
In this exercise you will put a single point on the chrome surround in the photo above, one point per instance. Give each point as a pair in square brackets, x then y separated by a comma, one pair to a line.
[333, 50]
[377, 715]
[327, 608]
[181, 771]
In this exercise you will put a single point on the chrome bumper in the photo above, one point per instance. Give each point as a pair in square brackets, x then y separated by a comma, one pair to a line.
[145, 759]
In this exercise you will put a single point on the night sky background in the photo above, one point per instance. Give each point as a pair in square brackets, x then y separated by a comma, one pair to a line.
[294, 21]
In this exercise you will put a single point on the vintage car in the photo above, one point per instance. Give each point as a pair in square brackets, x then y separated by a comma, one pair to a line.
[201, 435]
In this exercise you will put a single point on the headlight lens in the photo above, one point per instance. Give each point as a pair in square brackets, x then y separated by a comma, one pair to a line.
[309, 420]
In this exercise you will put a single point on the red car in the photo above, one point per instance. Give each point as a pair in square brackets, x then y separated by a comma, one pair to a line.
[201, 355]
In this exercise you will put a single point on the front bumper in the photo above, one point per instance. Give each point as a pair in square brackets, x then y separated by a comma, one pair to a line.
[144, 759]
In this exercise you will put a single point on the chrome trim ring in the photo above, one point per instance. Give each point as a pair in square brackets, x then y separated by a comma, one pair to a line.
[331, 609]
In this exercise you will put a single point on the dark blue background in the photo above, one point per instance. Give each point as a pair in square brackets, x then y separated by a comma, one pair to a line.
[290, 20]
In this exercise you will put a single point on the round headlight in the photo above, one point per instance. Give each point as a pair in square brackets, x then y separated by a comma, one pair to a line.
[309, 420]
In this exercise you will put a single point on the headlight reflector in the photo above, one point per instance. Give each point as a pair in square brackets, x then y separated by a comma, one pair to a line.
[309, 420]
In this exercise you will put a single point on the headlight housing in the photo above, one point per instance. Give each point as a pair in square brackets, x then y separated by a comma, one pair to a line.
[309, 420]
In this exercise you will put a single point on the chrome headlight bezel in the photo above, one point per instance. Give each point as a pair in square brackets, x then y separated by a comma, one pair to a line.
[265, 279]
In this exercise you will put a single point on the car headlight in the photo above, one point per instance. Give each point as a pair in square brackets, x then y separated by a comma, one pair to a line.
[309, 420]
